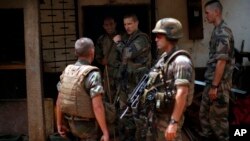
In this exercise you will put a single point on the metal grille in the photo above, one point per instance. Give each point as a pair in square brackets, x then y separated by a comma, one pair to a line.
[58, 21]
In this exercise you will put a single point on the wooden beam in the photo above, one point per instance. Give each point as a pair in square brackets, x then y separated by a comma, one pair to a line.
[12, 66]
[36, 118]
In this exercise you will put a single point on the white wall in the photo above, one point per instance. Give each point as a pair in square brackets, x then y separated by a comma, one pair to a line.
[235, 14]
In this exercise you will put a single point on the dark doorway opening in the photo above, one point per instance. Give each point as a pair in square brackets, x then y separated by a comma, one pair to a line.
[12, 54]
[12, 36]
[93, 19]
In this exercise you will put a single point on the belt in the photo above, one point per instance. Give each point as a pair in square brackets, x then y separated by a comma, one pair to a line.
[77, 118]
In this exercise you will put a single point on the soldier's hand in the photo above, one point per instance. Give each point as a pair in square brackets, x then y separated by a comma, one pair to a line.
[104, 138]
[117, 38]
[212, 94]
[62, 130]
[170, 132]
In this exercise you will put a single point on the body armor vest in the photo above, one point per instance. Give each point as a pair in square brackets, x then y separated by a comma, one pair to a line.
[74, 99]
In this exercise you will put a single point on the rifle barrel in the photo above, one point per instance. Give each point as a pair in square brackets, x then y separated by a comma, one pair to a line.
[125, 111]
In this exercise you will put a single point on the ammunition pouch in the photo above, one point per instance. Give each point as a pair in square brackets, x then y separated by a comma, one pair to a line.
[161, 98]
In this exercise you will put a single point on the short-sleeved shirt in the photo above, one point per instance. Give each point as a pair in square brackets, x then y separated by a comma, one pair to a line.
[180, 71]
[221, 47]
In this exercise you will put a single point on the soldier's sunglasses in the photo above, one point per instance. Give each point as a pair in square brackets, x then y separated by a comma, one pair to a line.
[159, 35]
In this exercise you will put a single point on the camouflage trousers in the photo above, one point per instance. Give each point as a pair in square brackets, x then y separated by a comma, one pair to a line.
[162, 124]
[84, 130]
[127, 129]
[214, 114]
[110, 88]
[126, 125]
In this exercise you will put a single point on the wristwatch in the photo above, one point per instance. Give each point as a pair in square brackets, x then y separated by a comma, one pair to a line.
[172, 121]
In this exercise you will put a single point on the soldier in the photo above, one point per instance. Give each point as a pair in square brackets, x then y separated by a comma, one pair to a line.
[172, 79]
[136, 60]
[108, 56]
[214, 108]
[80, 97]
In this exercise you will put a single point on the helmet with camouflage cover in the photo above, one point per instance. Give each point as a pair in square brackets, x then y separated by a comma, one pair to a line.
[171, 27]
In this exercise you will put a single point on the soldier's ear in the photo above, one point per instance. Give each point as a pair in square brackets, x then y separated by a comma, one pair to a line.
[76, 54]
[137, 22]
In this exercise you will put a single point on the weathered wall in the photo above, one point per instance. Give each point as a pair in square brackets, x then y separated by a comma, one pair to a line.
[14, 118]
[236, 13]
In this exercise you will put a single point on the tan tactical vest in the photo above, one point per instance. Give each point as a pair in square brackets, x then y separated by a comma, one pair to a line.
[74, 99]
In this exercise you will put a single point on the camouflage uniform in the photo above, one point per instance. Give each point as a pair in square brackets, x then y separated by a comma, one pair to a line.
[105, 47]
[136, 60]
[180, 71]
[89, 127]
[214, 115]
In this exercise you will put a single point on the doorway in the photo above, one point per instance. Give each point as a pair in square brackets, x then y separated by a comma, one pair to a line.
[93, 19]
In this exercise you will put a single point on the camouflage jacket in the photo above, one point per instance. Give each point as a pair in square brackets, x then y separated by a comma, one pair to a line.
[135, 49]
[105, 47]
[136, 59]
[221, 47]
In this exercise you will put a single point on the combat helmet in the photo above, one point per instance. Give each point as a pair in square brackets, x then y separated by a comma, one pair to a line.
[171, 27]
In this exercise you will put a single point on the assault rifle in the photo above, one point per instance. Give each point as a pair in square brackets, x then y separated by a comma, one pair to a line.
[134, 98]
